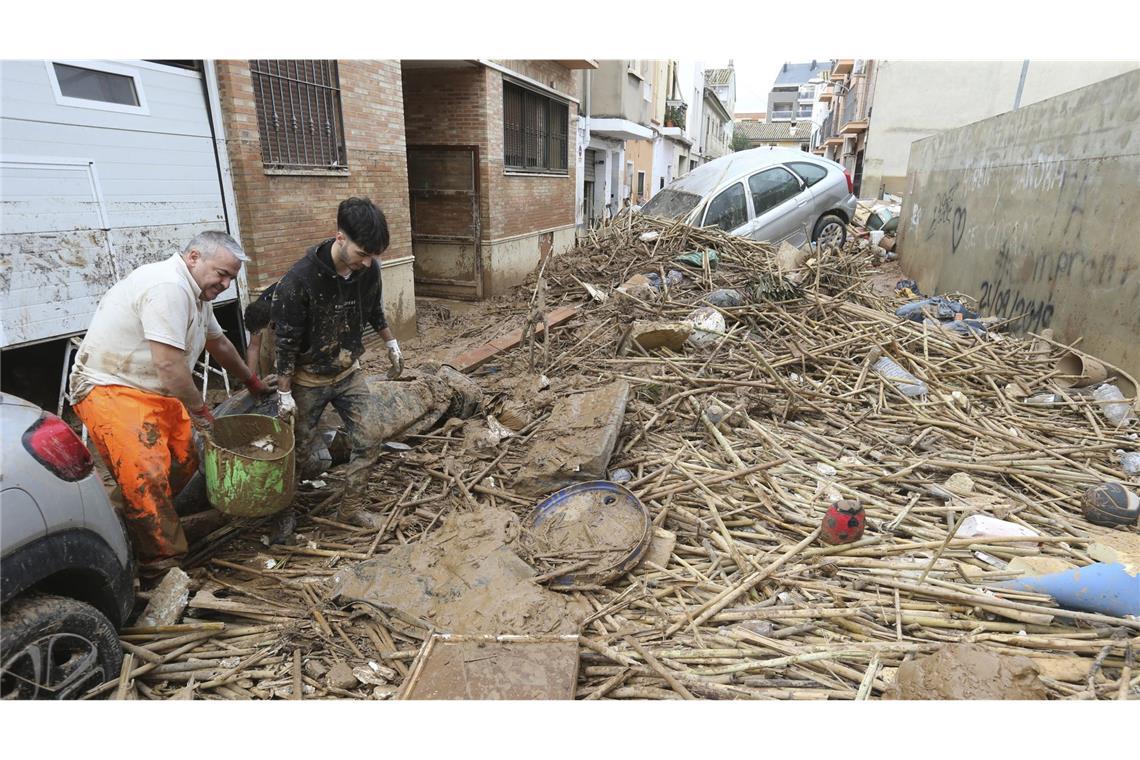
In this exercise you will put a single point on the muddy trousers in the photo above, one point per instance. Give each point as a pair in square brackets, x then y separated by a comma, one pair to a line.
[354, 403]
[145, 441]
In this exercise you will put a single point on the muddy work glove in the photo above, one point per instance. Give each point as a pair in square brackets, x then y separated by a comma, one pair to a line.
[202, 419]
[396, 358]
[286, 406]
[257, 386]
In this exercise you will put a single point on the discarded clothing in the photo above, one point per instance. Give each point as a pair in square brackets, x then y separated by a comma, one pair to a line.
[935, 307]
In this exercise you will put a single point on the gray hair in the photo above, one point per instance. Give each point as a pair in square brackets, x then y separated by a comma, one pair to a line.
[210, 241]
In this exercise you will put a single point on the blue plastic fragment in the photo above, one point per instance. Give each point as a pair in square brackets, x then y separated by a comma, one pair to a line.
[1109, 589]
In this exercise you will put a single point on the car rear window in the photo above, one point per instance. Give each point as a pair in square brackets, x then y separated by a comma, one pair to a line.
[728, 210]
[671, 204]
[811, 173]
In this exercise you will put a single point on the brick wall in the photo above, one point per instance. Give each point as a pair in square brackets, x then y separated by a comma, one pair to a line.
[281, 215]
[457, 106]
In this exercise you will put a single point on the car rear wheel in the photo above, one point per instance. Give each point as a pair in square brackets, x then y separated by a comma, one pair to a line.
[830, 232]
[53, 647]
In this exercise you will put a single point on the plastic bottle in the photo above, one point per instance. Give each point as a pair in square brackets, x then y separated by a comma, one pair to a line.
[908, 384]
[1113, 405]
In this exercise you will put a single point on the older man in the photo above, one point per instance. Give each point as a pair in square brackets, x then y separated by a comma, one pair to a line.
[133, 387]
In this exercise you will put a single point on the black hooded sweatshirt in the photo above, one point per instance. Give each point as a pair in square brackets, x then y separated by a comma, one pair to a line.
[319, 316]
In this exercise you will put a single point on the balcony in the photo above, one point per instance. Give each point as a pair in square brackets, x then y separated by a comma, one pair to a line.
[782, 115]
[827, 95]
[843, 66]
[854, 119]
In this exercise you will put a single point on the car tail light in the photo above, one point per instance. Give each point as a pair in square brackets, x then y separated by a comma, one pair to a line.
[850, 184]
[52, 443]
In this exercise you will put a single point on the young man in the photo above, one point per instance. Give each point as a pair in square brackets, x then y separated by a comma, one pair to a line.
[320, 308]
[134, 390]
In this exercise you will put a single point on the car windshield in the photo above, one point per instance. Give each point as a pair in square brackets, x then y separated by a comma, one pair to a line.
[671, 204]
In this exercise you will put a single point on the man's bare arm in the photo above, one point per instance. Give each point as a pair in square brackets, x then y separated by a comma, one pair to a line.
[227, 355]
[170, 364]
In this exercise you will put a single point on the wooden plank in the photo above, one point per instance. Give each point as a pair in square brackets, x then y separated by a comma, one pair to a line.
[476, 357]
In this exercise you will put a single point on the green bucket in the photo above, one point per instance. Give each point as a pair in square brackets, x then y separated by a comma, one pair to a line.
[245, 480]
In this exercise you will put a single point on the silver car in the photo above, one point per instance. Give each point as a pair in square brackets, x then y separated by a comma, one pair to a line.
[770, 194]
[67, 574]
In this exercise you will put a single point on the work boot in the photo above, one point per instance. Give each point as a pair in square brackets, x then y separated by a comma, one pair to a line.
[151, 573]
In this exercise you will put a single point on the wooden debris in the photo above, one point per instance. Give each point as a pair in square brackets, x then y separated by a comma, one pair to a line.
[736, 450]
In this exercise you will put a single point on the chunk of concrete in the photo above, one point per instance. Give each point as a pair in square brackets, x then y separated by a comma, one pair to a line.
[576, 442]
[168, 601]
[650, 335]
[341, 677]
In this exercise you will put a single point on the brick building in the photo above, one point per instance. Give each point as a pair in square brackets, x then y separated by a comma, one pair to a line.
[301, 137]
[492, 170]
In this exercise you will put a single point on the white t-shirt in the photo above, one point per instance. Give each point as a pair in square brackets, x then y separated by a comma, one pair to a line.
[156, 302]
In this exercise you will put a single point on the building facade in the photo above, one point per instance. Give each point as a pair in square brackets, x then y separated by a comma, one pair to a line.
[493, 161]
[848, 95]
[617, 99]
[791, 96]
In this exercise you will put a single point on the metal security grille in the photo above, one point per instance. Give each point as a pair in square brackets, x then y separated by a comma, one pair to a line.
[298, 114]
[535, 131]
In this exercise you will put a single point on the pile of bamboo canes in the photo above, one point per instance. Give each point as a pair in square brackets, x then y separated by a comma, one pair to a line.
[737, 449]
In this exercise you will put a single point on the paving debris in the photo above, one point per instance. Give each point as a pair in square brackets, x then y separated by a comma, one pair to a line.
[168, 600]
[748, 602]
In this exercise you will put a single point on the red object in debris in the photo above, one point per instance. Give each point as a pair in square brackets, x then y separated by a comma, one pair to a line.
[843, 522]
[850, 184]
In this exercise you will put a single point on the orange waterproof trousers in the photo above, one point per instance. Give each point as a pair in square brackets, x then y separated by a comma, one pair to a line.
[145, 441]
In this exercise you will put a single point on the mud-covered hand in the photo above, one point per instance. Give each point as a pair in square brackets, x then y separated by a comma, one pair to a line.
[286, 406]
[257, 386]
[396, 358]
[202, 419]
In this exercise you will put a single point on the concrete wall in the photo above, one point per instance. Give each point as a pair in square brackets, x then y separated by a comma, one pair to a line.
[915, 99]
[1034, 212]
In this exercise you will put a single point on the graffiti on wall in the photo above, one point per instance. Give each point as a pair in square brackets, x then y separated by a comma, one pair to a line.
[947, 212]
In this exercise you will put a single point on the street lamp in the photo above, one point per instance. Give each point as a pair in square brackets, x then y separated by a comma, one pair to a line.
[819, 80]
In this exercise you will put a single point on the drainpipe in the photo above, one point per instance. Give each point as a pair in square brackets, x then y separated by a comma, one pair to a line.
[1021, 84]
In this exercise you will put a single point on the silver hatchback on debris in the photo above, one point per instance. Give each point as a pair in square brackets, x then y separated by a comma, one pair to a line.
[770, 194]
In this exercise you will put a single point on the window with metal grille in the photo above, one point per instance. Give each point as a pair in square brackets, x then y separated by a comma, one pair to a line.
[535, 131]
[299, 114]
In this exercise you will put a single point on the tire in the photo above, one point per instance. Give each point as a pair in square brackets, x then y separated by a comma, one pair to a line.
[53, 647]
[830, 231]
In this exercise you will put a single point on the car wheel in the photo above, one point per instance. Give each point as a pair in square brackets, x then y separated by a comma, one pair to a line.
[830, 232]
[53, 647]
